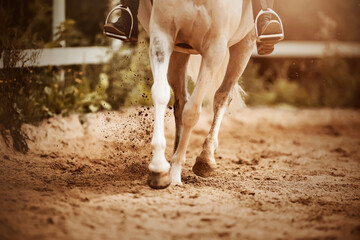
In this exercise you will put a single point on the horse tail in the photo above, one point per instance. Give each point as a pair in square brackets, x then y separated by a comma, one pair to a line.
[238, 95]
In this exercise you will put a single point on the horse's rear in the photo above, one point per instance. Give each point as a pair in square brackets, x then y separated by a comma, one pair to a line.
[219, 31]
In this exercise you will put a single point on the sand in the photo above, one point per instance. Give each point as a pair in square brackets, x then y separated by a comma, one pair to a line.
[282, 174]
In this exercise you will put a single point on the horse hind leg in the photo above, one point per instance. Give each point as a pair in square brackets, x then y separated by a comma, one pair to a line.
[160, 51]
[239, 57]
[177, 79]
[192, 108]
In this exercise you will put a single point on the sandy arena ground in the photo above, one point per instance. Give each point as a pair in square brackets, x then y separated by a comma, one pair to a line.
[282, 174]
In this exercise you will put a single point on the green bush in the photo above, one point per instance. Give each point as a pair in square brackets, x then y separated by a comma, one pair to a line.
[130, 74]
[29, 94]
[16, 85]
[69, 33]
[326, 82]
[16, 80]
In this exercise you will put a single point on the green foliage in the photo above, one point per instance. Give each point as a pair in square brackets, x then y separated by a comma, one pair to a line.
[70, 90]
[337, 83]
[28, 94]
[24, 24]
[130, 74]
[326, 82]
[69, 33]
[12, 90]
[16, 79]
[89, 17]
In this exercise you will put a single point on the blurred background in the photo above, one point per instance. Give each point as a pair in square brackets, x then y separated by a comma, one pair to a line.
[69, 66]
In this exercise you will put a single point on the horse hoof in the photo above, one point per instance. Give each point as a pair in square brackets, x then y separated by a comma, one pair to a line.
[159, 180]
[203, 168]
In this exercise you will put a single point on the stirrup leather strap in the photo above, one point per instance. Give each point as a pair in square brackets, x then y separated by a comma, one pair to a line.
[122, 8]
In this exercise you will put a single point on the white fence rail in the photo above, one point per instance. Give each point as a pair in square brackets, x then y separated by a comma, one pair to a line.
[100, 55]
[67, 56]
[293, 49]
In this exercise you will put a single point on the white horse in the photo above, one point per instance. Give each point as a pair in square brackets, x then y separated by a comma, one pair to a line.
[222, 32]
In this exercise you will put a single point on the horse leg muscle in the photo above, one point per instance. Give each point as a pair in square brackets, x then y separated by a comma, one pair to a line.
[239, 57]
[177, 80]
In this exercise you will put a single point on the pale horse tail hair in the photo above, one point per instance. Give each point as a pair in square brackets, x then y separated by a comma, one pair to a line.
[238, 94]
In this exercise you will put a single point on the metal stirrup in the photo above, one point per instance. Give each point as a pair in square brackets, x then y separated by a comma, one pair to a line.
[127, 9]
[279, 36]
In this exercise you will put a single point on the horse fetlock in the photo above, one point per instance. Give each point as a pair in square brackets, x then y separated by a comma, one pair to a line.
[210, 144]
[175, 174]
[159, 164]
